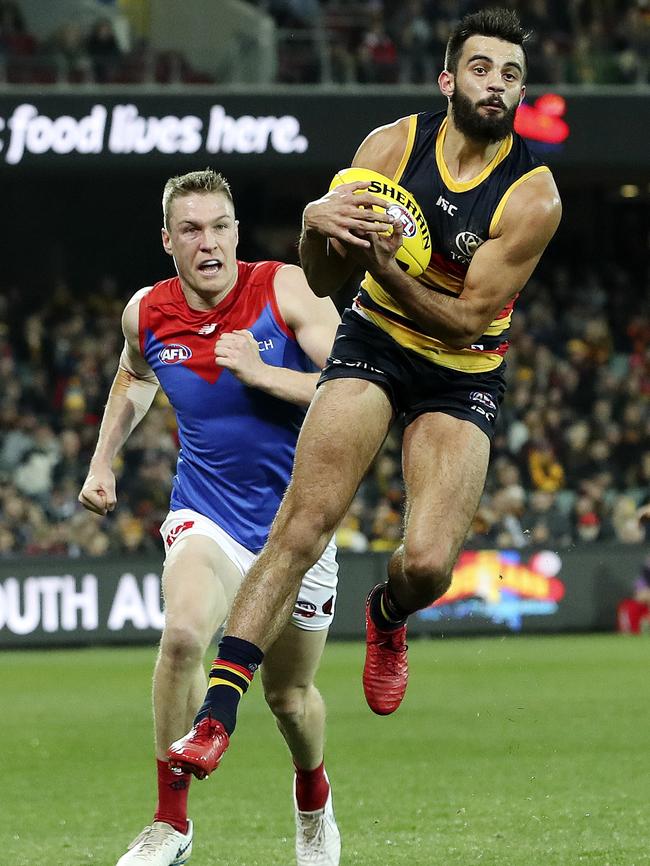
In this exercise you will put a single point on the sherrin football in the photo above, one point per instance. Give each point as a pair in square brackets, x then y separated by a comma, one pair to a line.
[415, 252]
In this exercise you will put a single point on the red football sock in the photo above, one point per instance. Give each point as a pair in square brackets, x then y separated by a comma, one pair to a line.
[312, 788]
[172, 797]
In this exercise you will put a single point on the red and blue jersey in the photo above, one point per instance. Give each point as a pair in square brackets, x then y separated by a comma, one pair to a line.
[237, 443]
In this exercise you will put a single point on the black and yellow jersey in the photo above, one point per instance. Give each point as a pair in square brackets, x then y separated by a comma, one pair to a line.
[461, 216]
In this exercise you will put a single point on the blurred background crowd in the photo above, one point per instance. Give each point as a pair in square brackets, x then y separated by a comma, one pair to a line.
[571, 460]
[318, 41]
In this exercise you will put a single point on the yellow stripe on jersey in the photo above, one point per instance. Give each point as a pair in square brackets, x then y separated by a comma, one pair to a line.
[465, 360]
[410, 138]
[504, 198]
[423, 344]
[217, 681]
[463, 186]
[434, 278]
[380, 296]
[498, 326]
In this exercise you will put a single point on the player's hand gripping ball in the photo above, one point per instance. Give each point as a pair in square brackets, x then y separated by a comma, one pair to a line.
[414, 254]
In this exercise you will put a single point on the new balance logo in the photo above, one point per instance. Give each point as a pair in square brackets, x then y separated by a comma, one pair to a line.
[206, 330]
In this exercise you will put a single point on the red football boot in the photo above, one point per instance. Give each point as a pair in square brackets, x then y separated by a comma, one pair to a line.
[200, 751]
[386, 672]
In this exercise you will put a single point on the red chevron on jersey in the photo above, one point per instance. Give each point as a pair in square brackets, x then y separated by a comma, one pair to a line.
[448, 266]
[505, 312]
[188, 336]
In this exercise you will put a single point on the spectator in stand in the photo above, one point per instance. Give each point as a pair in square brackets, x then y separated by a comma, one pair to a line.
[508, 506]
[15, 41]
[634, 43]
[386, 532]
[349, 535]
[377, 52]
[545, 523]
[633, 614]
[104, 51]
[414, 35]
[544, 469]
[68, 50]
[625, 524]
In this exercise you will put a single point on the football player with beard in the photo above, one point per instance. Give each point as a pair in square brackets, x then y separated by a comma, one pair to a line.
[428, 350]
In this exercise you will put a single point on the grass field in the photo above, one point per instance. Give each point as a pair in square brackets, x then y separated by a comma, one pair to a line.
[506, 752]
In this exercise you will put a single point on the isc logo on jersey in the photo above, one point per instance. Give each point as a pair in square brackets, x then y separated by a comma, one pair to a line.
[175, 353]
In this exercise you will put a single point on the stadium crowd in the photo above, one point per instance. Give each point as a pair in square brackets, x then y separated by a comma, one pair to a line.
[98, 46]
[363, 41]
[581, 42]
[570, 464]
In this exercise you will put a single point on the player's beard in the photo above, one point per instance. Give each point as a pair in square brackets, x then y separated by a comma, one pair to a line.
[482, 128]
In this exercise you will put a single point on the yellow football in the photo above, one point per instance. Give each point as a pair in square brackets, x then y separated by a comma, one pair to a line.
[415, 252]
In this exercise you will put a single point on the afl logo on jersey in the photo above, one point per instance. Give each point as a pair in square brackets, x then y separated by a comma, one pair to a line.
[468, 243]
[175, 353]
[408, 223]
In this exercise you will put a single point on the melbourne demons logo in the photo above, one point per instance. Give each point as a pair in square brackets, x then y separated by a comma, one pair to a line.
[175, 353]
[409, 225]
[175, 531]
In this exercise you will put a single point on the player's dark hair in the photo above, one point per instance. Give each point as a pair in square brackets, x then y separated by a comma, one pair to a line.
[499, 23]
[207, 180]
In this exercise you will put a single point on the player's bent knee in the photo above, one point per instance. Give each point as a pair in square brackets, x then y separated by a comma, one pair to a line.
[428, 576]
[182, 645]
[287, 705]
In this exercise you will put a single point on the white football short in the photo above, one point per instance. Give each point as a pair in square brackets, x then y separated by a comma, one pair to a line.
[314, 609]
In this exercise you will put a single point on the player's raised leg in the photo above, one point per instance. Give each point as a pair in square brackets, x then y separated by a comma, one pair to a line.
[346, 424]
[199, 582]
[445, 463]
[288, 677]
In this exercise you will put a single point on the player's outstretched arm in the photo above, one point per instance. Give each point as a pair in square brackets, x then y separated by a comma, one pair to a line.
[131, 395]
[313, 320]
[500, 267]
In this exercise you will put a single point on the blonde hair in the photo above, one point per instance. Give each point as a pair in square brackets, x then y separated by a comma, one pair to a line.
[206, 181]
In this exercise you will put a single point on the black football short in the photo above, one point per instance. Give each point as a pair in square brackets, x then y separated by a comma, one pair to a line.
[414, 385]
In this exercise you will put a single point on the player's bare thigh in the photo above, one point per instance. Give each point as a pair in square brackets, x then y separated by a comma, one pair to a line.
[445, 462]
[292, 661]
[345, 426]
[199, 585]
